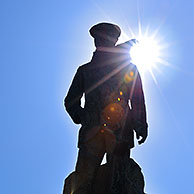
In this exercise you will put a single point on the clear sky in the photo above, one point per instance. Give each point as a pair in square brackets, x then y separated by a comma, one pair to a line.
[42, 44]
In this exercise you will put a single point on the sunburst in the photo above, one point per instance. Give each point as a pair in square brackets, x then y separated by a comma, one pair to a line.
[149, 52]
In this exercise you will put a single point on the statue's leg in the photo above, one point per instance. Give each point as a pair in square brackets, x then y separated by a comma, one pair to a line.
[89, 159]
[117, 160]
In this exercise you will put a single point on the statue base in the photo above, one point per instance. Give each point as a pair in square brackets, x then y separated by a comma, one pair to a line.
[126, 178]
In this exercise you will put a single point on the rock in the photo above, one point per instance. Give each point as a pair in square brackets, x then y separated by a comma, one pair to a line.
[125, 178]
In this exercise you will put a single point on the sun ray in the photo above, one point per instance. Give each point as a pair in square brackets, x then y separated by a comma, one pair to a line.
[101, 10]
[153, 76]
[174, 119]
[108, 76]
[128, 26]
[147, 31]
[164, 62]
[138, 17]
[157, 69]
[131, 31]
[155, 33]
[105, 78]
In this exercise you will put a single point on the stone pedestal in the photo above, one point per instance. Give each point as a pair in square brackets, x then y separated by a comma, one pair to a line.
[126, 178]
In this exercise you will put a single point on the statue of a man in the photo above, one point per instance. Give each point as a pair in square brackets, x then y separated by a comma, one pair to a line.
[108, 121]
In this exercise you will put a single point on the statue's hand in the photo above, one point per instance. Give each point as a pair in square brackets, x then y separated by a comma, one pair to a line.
[141, 131]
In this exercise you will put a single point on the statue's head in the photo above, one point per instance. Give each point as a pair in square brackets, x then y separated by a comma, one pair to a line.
[105, 34]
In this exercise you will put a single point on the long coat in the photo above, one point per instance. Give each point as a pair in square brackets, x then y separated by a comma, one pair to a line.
[110, 81]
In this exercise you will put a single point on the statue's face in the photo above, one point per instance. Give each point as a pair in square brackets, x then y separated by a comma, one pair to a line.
[107, 41]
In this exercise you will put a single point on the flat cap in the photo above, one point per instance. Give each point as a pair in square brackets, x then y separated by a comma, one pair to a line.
[105, 29]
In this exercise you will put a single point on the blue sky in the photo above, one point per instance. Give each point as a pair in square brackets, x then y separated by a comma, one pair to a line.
[42, 44]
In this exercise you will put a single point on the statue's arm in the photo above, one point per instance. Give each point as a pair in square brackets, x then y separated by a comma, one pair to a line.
[139, 108]
[72, 101]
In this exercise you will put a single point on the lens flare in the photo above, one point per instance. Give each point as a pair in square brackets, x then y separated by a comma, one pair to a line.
[112, 114]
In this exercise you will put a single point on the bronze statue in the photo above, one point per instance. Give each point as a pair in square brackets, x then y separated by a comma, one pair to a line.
[109, 81]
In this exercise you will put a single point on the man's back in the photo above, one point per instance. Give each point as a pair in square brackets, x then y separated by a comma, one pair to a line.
[107, 83]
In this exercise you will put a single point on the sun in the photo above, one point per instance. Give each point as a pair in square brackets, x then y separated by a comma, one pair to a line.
[148, 49]
[146, 53]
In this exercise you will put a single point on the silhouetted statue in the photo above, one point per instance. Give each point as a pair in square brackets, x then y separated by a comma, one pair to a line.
[107, 120]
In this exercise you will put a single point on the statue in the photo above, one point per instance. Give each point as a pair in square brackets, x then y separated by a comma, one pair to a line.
[109, 81]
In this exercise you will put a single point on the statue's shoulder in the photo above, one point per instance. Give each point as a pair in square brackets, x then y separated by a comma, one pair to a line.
[84, 66]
